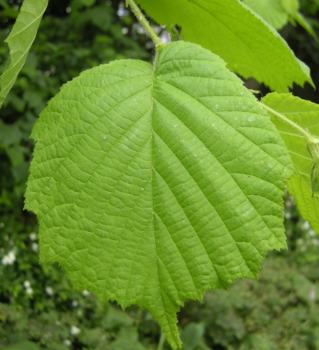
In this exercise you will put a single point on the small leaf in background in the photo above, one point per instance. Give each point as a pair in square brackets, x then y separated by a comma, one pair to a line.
[248, 44]
[153, 185]
[304, 22]
[290, 6]
[20, 41]
[116, 319]
[278, 13]
[192, 336]
[303, 183]
[10, 135]
[271, 11]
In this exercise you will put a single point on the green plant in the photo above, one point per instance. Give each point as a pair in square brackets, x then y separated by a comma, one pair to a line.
[155, 183]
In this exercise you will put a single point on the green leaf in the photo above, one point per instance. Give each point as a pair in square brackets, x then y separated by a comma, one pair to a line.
[290, 6]
[20, 41]
[249, 45]
[192, 336]
[152, 186]
[302, 184]
[271, 11]
[277, 13]
[303, 22]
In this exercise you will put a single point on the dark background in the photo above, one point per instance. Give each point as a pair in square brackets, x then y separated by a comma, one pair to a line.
[38, 307]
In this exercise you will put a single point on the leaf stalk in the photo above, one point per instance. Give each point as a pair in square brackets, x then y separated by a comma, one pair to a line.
[161, 341]
[306, 134]
[144, 22]
[312, 142]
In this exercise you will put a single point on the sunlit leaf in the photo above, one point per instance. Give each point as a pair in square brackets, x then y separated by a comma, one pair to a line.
[153, 185]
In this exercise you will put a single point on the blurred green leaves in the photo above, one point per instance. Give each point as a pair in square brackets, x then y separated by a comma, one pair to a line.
[24, 345]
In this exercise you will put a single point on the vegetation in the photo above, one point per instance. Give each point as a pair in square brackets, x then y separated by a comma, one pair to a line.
[38, 306]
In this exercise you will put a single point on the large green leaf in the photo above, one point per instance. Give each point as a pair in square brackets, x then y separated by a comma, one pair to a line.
[249, 45]
[306, 115]
[153, 186]
[20, 41]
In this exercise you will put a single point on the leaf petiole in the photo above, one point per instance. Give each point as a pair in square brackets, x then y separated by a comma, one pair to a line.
[305, 133]
[312, 141]
[144, 22]
[161, 341]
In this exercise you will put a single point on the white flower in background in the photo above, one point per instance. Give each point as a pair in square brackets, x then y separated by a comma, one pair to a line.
[312, 294]
[165, 37]
[287, 215]
[35, 247]
[122, 11]
[32, 236]
[288, 204]
[80, 313]
[26, 284]
[305, 226]
[315, 242]
[9, 258]
[124, 30]
[75, 303]
[67, 342]
[312, 233]
[140, 29]
[1, 224]
[29, 291]
[300, 241]
[85, 293]
[49, 291]
[75, 331]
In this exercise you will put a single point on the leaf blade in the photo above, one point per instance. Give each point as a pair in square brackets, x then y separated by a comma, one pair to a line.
[20, 41]
[138, 184]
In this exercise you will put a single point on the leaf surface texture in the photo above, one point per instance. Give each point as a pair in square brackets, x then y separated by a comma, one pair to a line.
[152, 186]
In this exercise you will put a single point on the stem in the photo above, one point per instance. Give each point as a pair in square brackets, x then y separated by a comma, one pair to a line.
[138, 318]
[161, 341]
[312, 141]
[301, 130]
[142, 19]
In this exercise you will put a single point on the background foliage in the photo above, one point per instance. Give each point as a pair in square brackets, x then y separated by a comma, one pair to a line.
[37, 304]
